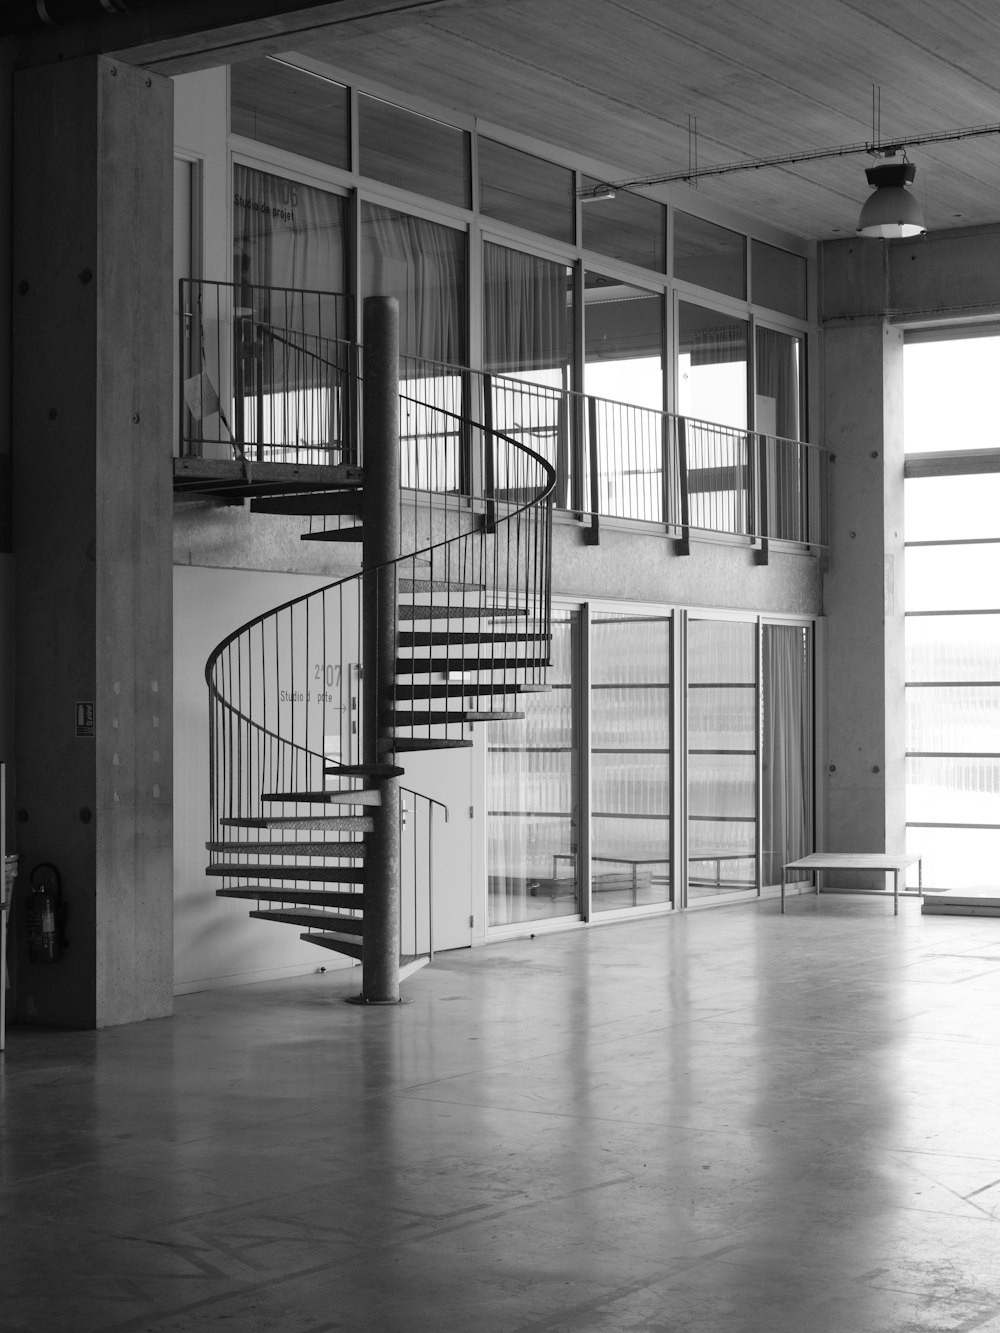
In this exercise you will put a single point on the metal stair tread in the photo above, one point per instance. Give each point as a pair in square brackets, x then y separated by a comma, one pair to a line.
[321, 874]
[346, 823]
[306, 916]
[310, 503]
[366, 796]
[290, 848]
[402, 717]
[406, 743]
[430, 638]
[411, 585]
[464, 689]
[306, 897]
[345, 944]
[333, 535]
[335, 770]
[457, 611]
[422, 666]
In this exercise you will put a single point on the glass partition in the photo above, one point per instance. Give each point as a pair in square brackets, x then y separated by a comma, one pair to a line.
[630, 760]
[722, 758]
[533, 794]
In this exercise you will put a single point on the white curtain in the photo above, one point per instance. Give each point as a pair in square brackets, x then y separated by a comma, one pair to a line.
[787, 750]
[422, 265]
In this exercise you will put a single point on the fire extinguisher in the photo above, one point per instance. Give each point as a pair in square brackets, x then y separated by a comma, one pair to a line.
[44, 914]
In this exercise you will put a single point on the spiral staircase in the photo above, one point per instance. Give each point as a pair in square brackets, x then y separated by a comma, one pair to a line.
[315, 703]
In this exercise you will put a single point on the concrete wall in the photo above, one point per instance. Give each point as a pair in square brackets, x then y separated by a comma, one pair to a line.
[92, 399]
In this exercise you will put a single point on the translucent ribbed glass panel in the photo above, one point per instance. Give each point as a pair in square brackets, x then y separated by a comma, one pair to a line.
[955, 858]
[965, 648]
[949, 394]
[630, 760]
[950, 508]
[953, 578]
[962, 789]
[533, 797]
[962, 718]
[722, 764]
[722, 651]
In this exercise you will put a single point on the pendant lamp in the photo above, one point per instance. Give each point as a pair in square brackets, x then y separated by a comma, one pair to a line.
[891, 210]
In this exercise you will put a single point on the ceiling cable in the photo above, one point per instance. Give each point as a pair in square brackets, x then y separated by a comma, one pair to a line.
[874, 147]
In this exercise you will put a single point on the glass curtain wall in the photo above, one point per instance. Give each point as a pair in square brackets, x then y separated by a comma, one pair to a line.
[528, 346]
[630, 760]
[953, 677]
[533, 794]
[722, 757]
[953, 604]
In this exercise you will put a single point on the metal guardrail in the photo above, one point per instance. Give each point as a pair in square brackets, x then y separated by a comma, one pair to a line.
[267, 374]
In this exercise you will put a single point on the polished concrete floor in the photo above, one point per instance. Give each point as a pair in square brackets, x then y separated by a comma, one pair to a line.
[725, 1121]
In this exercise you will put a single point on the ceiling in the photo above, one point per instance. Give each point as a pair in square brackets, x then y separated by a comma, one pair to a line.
[617, 80]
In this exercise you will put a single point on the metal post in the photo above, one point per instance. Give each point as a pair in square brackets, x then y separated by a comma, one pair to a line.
[381, 543]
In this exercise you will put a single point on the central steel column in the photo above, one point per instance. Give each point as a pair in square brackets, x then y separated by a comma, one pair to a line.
[381, 543]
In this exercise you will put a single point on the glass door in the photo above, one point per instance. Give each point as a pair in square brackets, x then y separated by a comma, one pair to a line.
[630, 760]
[722, 758]
[533, 779]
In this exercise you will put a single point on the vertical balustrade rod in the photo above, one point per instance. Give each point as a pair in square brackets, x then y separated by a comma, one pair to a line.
[381, 543]
[593, 535]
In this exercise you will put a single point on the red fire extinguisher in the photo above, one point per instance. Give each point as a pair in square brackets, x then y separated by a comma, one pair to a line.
[43, 914]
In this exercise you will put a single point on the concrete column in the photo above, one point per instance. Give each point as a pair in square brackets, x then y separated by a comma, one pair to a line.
[92, 400]
[863, 594]
[380, 964]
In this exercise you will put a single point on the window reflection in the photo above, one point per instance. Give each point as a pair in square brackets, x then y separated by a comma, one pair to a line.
[526, 190]
[709, 256]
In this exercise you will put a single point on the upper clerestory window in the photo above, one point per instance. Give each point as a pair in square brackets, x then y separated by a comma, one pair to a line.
[526, 191]
[414, 152]
[289, 108]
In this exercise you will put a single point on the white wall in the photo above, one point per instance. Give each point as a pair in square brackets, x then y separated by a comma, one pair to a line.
[215, 942]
